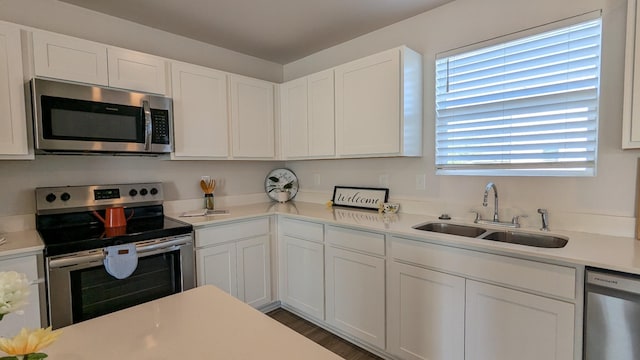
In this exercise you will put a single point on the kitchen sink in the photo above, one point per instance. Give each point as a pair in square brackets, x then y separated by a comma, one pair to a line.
[537, 240]
[452, 229]
[513, 237]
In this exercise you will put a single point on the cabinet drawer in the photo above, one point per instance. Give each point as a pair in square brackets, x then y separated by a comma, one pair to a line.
[529, 275]
[356, 239]
[302, 229]
[229, 232]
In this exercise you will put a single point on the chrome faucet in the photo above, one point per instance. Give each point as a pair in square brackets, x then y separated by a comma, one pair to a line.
[515, 221]
[545, 219]
[495, 201]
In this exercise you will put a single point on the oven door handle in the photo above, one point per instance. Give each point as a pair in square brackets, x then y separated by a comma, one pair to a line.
[163, 245]
[96, 256]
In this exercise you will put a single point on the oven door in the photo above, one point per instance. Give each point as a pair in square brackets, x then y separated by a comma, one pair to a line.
[79, 287]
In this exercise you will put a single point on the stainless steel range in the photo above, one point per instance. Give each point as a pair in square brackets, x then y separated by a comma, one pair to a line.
[81, 232]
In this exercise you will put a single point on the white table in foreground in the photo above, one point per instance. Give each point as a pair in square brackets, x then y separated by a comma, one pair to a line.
[202, 323]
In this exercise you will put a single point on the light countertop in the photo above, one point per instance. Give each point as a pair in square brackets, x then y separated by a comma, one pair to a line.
[201, 323]
[604, 251]
[609, 252]
[21, 243]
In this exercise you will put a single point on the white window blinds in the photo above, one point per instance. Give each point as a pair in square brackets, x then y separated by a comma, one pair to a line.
[523, 107]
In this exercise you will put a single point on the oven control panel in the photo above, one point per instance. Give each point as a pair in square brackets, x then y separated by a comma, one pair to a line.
[94, 197]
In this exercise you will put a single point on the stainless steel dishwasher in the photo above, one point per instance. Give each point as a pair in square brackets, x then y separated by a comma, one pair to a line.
[612, 316]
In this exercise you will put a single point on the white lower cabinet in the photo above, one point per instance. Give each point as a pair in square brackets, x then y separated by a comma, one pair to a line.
[426, 314]
[505, 324]
[355, 287]
[430, 301]
[217, 266]
[439, 310]
[303, 275]
[254, 271]
[236, 258]
[302, 266]
[30, 316]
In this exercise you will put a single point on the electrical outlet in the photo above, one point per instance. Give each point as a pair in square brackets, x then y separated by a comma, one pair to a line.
[316, 180]
[421, 182]
[384, 180]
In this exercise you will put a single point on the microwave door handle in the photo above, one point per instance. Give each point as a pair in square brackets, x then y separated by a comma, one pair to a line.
[148, 126]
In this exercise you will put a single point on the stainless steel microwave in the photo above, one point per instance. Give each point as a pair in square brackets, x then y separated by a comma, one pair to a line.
[75, 118]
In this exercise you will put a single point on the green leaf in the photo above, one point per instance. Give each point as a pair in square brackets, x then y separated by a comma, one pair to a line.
[8, 358]
[35, 356]
[274, 179]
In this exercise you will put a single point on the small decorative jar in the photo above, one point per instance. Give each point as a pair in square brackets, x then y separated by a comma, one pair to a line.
[208, 201]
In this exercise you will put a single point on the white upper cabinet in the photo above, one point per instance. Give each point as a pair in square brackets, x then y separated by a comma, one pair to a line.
[307, 116]
[13, 124]
[252, 118]
[201, 121]
[379, 105]
[68, 58]
[631, 108]
[137, 71]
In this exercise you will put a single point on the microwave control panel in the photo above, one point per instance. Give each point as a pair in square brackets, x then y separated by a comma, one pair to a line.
[161, 129]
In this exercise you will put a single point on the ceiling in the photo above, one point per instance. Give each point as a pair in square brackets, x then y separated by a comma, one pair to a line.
[281, 31]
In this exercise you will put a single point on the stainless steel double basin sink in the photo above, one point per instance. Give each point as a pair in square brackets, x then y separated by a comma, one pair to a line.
[506, 236]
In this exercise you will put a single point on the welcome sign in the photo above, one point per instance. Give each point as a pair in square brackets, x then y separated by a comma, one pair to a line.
[357, 197]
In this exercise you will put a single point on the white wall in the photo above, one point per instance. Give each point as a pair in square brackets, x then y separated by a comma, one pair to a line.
[606, 199]
[571, 201]
[18, 179]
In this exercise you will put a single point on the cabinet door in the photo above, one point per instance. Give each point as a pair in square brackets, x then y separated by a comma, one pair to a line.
[504, 324]
[216, 265]
[68, 58]
[252, 118]
[30, 316]
[13, 124]
[137, 71]
[631, 107]
[295, 129]
[303, 275]
[321, 112]
[355, 291]
[201, 123]
[254, 271]
[368, 105]
[426, 314]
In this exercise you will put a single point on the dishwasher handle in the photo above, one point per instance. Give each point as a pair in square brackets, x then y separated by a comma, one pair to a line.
[613, 281]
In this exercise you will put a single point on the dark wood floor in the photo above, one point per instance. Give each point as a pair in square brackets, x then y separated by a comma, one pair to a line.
[326, 339]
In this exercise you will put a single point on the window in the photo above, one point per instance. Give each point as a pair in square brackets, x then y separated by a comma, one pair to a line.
[527, 106]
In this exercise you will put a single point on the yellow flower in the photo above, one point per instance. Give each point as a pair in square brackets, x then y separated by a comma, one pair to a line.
[329, 203]
[27, 342]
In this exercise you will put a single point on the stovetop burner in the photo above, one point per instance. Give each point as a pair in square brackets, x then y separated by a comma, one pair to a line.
[68, 226]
